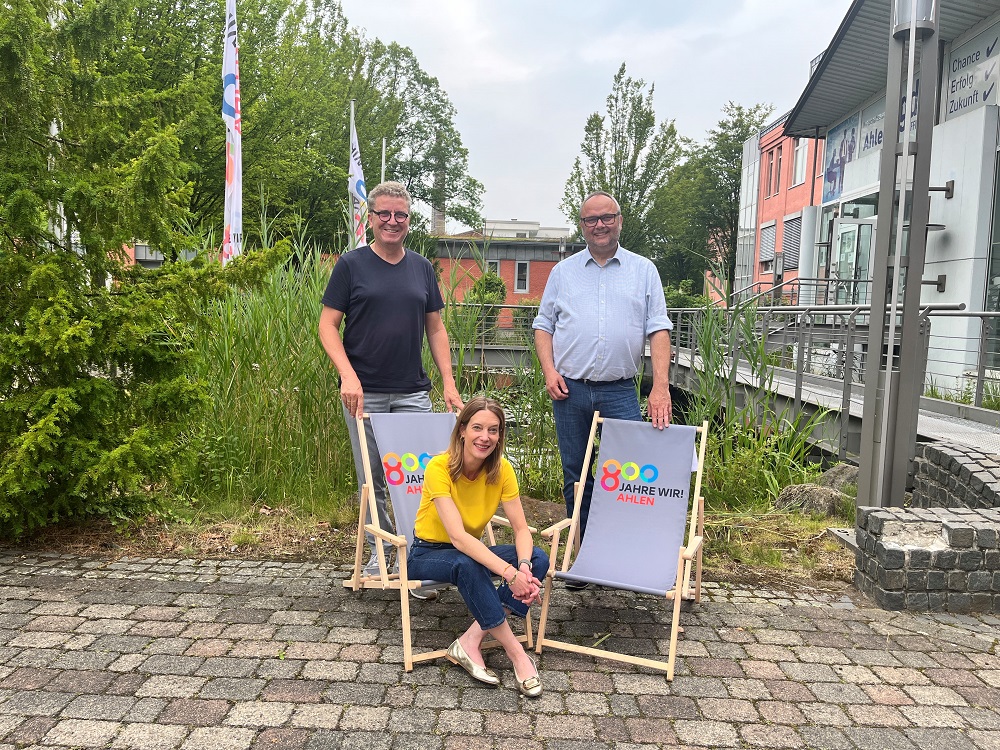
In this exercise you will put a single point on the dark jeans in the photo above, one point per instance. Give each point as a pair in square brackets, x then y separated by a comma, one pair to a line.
[573, 416]
[440, 561]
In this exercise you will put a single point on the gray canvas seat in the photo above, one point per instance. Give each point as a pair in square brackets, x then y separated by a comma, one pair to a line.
[639, 516]
[406, 442]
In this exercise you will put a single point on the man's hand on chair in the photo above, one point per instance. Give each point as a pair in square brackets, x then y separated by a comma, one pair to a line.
[658, 405]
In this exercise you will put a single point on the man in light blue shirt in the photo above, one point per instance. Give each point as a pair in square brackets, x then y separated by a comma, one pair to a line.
[598, 309]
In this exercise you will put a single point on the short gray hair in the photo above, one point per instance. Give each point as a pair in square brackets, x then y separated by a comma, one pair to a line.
[604, 193]
[390, 189]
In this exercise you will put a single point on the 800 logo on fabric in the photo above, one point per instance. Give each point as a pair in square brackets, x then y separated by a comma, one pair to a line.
[614, 472]
[396, 466]
[620, 477]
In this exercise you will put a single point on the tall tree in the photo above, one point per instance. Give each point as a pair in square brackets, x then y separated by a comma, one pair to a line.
[677, 223]
[626, 154]
[695, 215]
[723, 159]
[425, 148]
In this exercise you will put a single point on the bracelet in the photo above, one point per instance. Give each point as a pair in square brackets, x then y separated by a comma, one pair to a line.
[503, 573]
[525, 561]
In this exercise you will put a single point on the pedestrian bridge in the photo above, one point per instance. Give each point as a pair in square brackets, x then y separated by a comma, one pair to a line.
[812, 359]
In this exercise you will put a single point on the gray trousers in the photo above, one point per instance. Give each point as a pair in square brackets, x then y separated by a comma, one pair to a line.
[380, 403]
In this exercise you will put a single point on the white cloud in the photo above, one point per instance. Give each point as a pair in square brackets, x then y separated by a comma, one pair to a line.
[524, 75]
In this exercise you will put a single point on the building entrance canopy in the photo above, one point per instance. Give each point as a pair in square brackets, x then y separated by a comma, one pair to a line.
[853, 68]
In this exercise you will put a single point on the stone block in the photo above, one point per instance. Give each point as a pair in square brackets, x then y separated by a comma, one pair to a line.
[891, 600]
[937, 580]
[889, 555]
[945, 559]
[937, 601]
[959, 603]
[996, 582]
[980, 580]
[958, 581]
[986, 535]
[917, 601]
[970, 559]
[876, 520]
[892, 580]
[918, 558]
[862, 515]
[958, 534]
[982, 602]
[916, 580]
[861, 537]
[991, 559]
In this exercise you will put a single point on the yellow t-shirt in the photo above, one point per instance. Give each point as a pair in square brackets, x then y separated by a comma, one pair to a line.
[476, 500]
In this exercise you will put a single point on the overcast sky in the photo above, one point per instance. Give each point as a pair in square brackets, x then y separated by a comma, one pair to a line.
[524, 76]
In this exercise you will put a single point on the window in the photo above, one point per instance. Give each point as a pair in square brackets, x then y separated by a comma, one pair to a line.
[768, 235]
[799, 158]
[493, 266]
[521, 276]
[777, 172]
[770, 174]
[791, 236]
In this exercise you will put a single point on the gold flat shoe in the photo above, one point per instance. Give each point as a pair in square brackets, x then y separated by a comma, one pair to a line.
[531, 687]
[456, 655]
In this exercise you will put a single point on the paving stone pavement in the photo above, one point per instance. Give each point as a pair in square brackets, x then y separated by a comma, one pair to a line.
[159, 654]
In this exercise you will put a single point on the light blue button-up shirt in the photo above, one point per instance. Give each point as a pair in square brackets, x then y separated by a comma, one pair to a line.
[600, 316]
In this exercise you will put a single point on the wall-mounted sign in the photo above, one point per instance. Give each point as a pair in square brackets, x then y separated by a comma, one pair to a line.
[872, 127]
[973, 73]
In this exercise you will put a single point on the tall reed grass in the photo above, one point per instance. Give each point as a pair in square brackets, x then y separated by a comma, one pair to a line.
[755, 448]
[274, 432]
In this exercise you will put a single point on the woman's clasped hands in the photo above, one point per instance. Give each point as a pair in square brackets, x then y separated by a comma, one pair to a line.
[525, 587]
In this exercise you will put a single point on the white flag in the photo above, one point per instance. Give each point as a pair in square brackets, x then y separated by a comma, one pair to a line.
[358, 192]
[232, 236]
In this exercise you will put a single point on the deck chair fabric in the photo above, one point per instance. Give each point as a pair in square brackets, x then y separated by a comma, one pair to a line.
[638, 519]
[405, 441]
[640, 495]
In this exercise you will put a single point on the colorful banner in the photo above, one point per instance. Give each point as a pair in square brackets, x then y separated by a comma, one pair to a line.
[639, 511]
[406, 442]
[232, 234]
[358, 192]
[841, 147]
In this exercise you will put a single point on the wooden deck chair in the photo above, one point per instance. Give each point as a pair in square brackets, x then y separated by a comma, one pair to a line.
[635, 531]
[406, 442]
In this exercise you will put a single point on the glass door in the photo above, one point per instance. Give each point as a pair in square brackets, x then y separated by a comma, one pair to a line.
[851, 271]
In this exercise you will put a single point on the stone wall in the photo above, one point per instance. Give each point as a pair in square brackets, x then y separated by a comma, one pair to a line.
[948, 476]
[929, 559]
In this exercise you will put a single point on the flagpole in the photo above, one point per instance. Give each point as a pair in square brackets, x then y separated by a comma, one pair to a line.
[232, 233]
[357, 192]
[383, 161]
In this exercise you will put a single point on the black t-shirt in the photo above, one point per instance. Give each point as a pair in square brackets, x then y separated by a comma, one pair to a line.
[384, 307]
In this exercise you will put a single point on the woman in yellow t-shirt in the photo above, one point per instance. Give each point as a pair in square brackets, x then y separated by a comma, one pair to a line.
[462, 489]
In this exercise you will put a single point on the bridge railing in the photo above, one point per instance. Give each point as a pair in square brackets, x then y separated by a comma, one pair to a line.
[830, 346]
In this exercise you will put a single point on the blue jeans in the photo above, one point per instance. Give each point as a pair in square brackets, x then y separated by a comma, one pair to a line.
[573, 416]
[440, 561]
[380, 403]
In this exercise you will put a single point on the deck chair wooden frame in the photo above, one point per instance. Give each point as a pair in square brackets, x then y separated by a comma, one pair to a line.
[689, 562]
[388, 580]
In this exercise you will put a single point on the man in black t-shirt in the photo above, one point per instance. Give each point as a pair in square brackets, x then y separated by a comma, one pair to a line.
[388, 298]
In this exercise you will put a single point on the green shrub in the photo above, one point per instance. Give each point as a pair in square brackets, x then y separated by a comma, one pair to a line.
[488, 292]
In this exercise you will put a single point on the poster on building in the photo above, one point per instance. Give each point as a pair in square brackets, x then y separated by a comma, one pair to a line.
[973, 72]
[872, 128]
[841, 147]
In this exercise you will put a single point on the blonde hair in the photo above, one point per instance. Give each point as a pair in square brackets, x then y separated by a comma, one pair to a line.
[456, 456]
